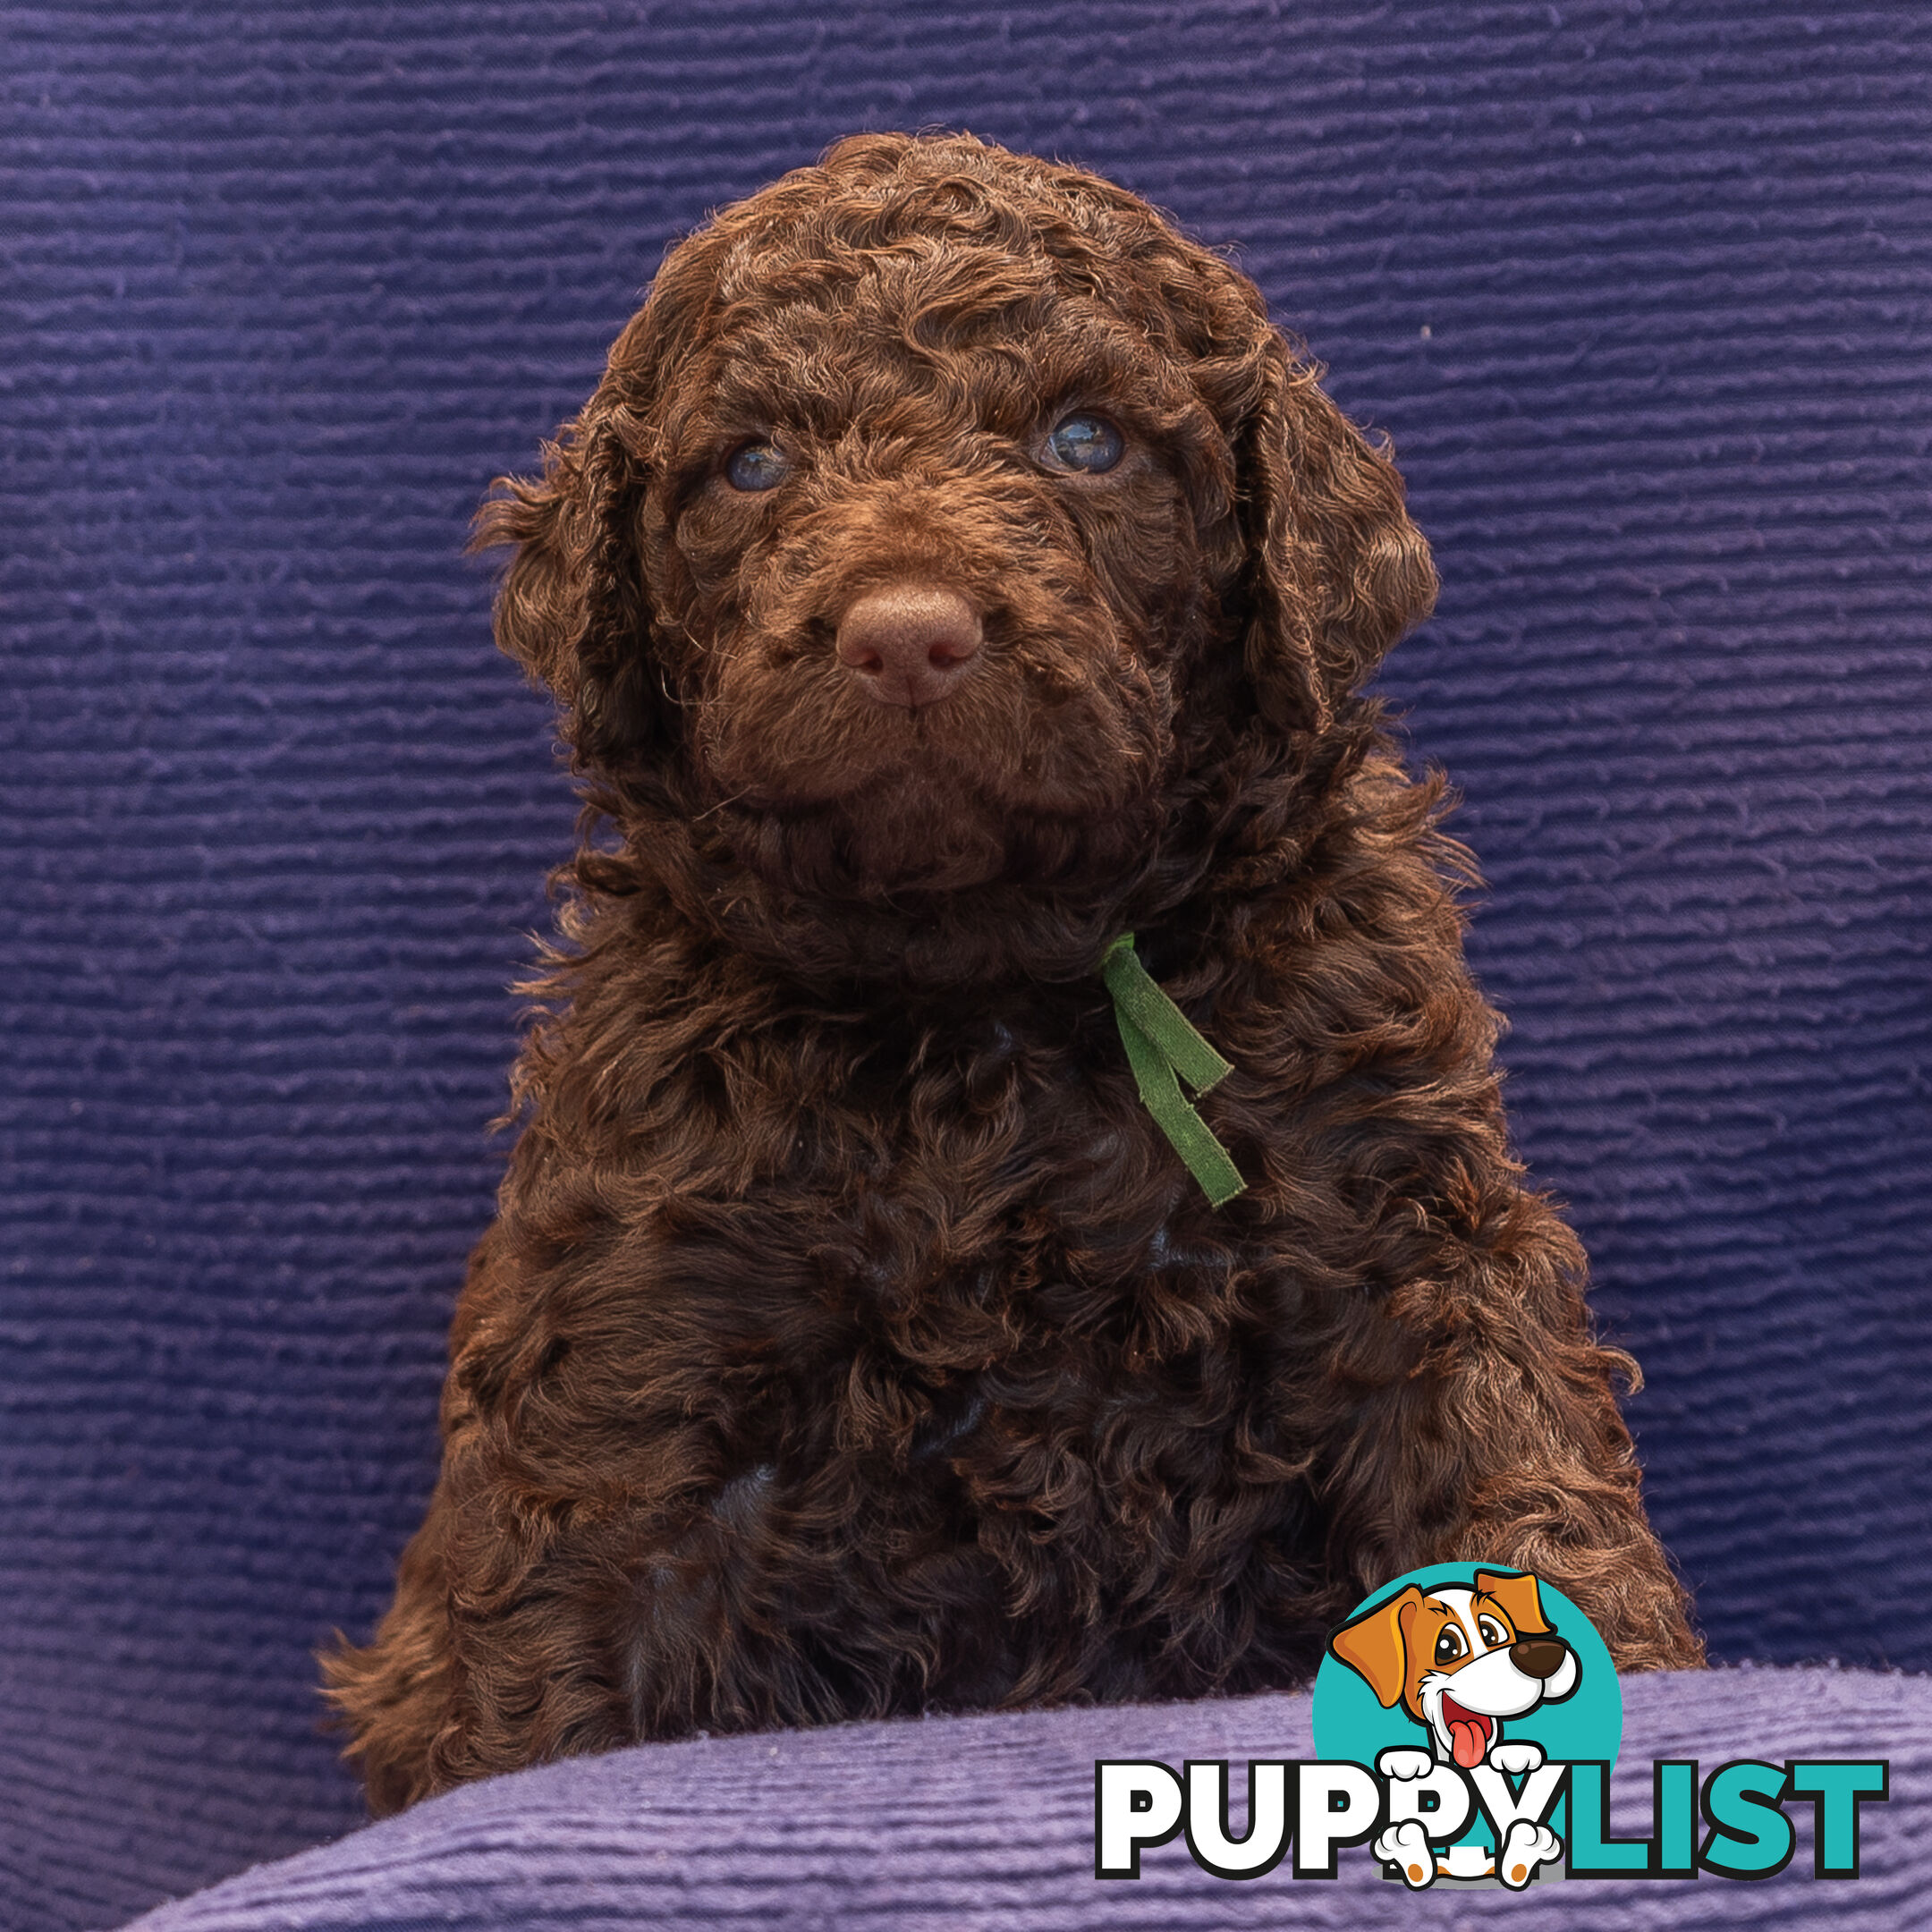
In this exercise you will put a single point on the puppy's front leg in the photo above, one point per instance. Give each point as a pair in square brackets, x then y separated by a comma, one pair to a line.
[590, 1571]
[392, 1696]
[1488, 1431]
[542, 1616]
[494, 1654]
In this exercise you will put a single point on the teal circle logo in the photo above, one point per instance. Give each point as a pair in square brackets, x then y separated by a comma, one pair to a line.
[1477, 1667]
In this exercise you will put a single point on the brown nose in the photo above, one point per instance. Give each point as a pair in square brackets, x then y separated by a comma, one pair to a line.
[909, 644]
[1539, 1658]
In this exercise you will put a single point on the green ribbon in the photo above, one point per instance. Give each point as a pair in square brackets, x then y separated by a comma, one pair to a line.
[1160, 1046]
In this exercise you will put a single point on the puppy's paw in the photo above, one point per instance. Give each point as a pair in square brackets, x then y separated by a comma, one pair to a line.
[1525, 1846]
[1400, 1762]
[1512, 1758]
[1406, 1847]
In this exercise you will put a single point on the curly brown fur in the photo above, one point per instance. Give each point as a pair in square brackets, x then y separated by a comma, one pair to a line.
[849, 1341]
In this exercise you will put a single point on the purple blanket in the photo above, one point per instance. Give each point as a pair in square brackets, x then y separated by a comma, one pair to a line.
[957, 1823]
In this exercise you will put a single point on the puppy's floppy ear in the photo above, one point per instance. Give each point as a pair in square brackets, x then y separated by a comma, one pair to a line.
[1522, 1601]
[572, 606]
[1376, 1647]
[1337, 571]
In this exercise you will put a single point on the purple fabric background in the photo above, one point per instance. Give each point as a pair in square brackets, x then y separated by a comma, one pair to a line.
[1640, 290]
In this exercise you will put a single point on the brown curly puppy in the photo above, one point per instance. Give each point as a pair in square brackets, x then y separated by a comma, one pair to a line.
[955, 570]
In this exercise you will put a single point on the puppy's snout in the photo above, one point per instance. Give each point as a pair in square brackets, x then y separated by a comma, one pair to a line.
[1540, 1658]
[909, 644]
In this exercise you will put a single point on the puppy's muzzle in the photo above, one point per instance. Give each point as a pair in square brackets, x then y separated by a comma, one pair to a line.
[909, 644]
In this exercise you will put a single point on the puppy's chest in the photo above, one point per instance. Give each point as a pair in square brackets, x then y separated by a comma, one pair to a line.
[965, 1266]
[1014, 1222]
[1024, 1144]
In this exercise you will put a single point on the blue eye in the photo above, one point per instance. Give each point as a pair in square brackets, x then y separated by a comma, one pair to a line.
[1088, 443]
[758, 466]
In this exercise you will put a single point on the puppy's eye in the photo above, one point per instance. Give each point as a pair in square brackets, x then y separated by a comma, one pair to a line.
[1450, 1645]
[758, 466]
[1493, 1633]
[1089, 444]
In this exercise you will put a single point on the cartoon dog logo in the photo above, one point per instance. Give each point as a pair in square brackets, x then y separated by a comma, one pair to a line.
[1459, 1659]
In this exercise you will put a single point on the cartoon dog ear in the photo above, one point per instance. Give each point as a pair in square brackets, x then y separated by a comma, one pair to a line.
[572, 607]
[1337, 572]
[1522, 1601]
[1374, 1647]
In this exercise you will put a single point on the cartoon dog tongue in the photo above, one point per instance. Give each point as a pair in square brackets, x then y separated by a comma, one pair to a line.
[1469, 1734]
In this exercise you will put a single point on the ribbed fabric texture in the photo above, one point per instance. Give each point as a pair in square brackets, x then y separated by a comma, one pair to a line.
[1641, 291]
[986, 1823]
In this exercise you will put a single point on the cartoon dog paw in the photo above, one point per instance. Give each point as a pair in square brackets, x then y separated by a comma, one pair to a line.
[1512, 1759]
[1400, 1762]
[1525, 1846]
[1406, 1846]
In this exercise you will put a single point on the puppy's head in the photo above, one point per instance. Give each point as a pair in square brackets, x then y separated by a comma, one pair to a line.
[939, 517]
[1459, 1659]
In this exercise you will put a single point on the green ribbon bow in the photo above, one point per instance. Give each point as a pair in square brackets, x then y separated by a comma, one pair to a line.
[1161, 1045]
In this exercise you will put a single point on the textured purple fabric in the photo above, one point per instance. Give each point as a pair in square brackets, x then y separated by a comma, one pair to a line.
[988, 1822]
[1639, 288]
